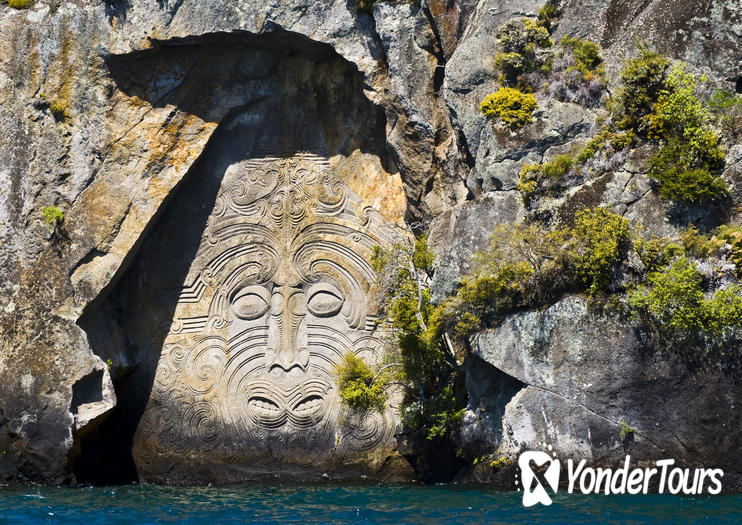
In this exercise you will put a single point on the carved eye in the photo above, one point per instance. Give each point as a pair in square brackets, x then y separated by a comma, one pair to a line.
[250, 303]
[324, 300]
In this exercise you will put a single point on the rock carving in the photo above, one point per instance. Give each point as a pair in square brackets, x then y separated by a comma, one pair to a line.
[275, 297]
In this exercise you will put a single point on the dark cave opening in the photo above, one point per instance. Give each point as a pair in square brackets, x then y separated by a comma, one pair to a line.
[106, 451]
[89, 389]
[738, 85]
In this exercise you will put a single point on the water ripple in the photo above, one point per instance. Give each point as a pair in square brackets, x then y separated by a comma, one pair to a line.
[329, 503]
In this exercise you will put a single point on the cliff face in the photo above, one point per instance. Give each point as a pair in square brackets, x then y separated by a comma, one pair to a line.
[150, 124]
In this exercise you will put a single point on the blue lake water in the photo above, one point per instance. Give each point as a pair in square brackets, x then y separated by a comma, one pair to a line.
[327, 503]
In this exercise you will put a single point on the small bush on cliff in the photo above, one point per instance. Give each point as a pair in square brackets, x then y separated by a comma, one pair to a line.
[587, 59]
[726, 108]
[657, 252]
[529, 266]
[522, 268]
[601, 242]
[361, 387]
[510, 106]
[616, 141]
[724, 242]
[690, 155]
[577, 73]
[532, 176]
[642, 78]
[727, 235]
[19, 4]
[548, 14]
[661, 104]
[53, 216]
[547, 177]
[59, 110]
[521, 41]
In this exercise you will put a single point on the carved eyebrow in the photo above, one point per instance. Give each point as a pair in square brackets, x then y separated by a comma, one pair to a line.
[324, 286]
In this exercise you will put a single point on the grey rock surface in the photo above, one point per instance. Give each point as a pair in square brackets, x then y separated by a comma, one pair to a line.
[588, 376]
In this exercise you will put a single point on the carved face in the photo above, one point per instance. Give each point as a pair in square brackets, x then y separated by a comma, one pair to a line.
[276, 296]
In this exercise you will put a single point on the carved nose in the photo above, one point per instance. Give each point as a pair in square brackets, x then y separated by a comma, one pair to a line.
[286, 337]
[287, 358]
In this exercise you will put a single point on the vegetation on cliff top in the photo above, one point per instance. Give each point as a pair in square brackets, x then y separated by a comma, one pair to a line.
[529, 266]
[657, 105]
[528, 62]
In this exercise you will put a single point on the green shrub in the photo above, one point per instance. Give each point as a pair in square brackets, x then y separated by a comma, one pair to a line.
[53, 216]
[510, 106]
[547, 14]
[731, 235]
[433, 393]
[724, 310]
[532, 175]
[724, 100]
[726, 108]
[445, 414]
[20, 4]
[642, 78]
[626, 430]
[657, 252]
[361, 387]
[601, 242]
[681, 115]
[587, 57]
[685, 177]
[696, 244]
[505, 277]
[520, 41]
[491, 290]
[673, 300]
[702, 246]
[679, 112]
[558, 167]
[695, 186]
[665, 107]
[616, 140]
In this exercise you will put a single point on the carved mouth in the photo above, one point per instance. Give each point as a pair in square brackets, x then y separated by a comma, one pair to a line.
[267, 413]
[303, 406]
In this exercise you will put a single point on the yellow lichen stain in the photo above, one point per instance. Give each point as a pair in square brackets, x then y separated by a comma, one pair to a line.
[65, 65]
[381, 190]
[178, 152]
[137, 102]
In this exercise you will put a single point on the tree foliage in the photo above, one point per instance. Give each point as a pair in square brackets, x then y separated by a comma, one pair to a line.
[360, 386]
[434, 398]
[673, 300]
